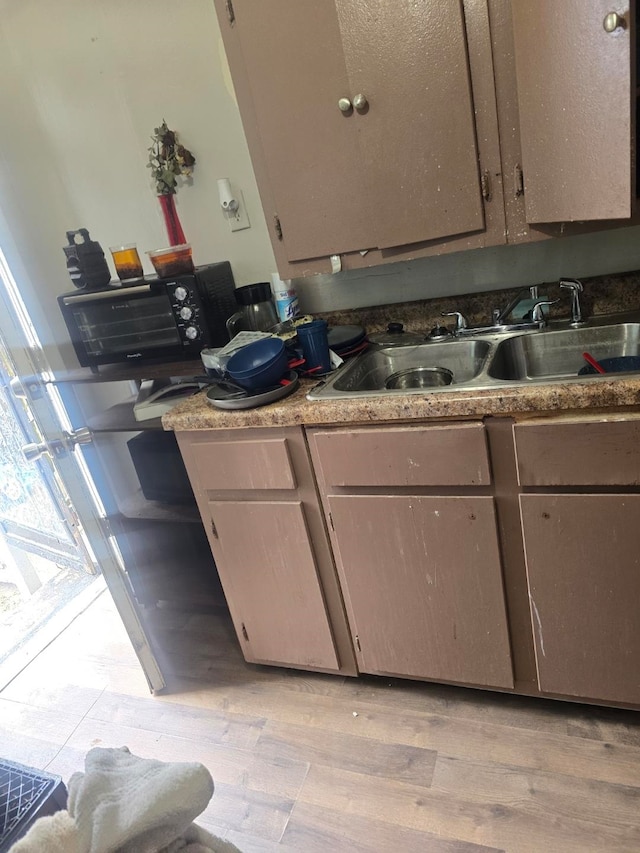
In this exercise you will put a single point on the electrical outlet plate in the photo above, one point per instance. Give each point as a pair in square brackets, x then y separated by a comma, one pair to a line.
[239, 219]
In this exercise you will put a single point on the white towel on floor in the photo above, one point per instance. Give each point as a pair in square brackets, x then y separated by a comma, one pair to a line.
[135, 805]
[55, 834]
[126, 804]
[59, 834]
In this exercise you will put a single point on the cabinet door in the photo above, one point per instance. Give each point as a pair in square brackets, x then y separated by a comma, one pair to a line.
[401, 170]
[268, 572]
[417, 134]
[296, 71]
[575, 102]
[423, 583]
[583, 569]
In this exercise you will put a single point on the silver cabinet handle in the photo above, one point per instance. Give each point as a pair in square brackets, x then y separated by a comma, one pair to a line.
[344, 105]
[613, 21]
[360, 102]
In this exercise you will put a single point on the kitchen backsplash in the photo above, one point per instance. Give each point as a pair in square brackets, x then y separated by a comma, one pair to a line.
[602, 295]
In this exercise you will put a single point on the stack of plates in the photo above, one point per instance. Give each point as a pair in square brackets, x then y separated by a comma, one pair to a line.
[222, 397]
[346, 341]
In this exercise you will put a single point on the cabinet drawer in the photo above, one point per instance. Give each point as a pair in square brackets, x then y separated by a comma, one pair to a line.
[578, 453]
[256, 464]
[442, 455]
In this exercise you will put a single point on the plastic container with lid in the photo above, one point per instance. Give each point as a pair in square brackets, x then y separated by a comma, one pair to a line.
[257, 312]
[172, 261]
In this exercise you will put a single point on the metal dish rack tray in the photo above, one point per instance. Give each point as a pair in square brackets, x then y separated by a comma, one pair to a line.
[25, 795]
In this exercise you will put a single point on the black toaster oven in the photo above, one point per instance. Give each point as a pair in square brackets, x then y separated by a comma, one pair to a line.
[169, 319]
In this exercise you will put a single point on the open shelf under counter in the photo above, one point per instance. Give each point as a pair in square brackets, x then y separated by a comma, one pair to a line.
[120, 418]
[125, 372]
[168, 563]
[137, 506]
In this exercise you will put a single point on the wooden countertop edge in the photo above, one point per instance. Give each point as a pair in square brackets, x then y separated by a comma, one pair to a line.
[597, 393]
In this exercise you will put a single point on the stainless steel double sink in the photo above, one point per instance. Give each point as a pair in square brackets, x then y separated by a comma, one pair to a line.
[487, 361]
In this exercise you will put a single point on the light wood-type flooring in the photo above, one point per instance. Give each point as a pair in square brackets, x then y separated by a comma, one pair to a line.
[319, 764]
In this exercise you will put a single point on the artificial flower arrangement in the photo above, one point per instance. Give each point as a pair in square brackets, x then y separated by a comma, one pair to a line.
[169, 160]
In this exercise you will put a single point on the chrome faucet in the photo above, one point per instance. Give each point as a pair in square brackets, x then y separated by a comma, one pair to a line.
[576, 289]
[537, 312]
[500, 317]
[461, 321]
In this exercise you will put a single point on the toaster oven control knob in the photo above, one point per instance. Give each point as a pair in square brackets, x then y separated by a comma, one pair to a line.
[180, 293]
[186, 313]
[191, 332]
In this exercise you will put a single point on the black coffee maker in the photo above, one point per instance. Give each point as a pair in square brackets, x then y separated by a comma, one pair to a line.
[86, 263]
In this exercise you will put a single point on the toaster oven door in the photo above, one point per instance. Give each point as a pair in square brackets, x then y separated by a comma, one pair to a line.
[110, 330]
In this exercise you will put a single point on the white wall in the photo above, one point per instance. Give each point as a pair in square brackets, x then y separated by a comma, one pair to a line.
[84, 82]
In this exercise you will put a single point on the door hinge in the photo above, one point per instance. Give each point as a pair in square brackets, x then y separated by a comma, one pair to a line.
[358, 646]
[485, 185]
[230, 11]
[244, 632]
[331, 521]
[214, 532]
[104, 524]
[277, 226]
[518, 179]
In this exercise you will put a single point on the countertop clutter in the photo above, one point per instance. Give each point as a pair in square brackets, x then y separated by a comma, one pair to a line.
[602, 296]
[599, 393]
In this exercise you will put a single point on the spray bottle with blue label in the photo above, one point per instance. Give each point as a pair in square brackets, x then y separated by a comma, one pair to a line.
[285, 298]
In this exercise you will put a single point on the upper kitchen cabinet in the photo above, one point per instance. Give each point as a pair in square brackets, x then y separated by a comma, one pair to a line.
[372, 126]
[566, 101]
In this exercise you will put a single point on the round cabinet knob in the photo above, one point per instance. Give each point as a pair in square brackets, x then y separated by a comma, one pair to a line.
[180, 293]
[612, 22]
[360, 102]
[344, 105]
[191, 332]
[186, 313]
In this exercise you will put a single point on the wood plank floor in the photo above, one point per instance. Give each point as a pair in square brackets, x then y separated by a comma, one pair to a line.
[306, 763]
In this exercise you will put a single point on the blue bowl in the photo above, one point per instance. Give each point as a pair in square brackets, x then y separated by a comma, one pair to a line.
[259, 365]
[613, 365]
[255, 356]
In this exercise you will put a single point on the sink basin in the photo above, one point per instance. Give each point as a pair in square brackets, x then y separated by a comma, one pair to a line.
[488, 361]
[370, 372]
[558, 354]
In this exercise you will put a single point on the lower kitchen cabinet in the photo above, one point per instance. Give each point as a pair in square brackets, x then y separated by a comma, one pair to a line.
[582, 550]
[267, 566]
[583, 567]
[416, 547]
[257, 498]
[479, 553]
[423, 584]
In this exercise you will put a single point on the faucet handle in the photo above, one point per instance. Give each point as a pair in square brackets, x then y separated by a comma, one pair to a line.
[571, 284]
[537, 314]
[575, 288]
[461, 320]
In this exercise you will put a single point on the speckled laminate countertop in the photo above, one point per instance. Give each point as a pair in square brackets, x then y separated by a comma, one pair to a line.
[594, 393]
